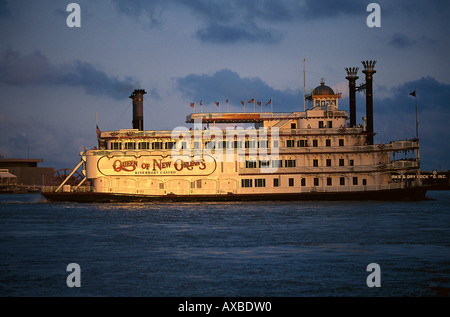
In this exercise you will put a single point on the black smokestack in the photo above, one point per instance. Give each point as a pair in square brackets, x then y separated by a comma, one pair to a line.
[351, 77]
[369, 71]
[138, 108]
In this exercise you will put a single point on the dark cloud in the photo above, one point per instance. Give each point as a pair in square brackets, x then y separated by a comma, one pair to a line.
[36, 69]
[402, 41]
[152, 9]
[4, 9]
[227, 34]
[226, 84]
[394, 118]
[232, 21]
[314, 9]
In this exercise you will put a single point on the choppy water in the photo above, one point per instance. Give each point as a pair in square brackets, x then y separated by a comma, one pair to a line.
[224, 249]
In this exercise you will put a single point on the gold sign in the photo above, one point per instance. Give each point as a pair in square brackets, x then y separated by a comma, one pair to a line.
[182, 165]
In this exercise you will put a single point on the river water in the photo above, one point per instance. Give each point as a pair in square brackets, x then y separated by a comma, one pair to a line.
[261, 249]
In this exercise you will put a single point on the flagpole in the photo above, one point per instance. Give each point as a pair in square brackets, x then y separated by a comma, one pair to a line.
[304, 84]
[201, 105]
[414, 94]
[254, 105]
[417, 121]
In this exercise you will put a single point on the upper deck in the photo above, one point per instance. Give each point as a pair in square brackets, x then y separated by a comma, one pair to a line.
[241, 117]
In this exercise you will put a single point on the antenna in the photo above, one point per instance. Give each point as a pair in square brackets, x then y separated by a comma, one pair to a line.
[304, 84]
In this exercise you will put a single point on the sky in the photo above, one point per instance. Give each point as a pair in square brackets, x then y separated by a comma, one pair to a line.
[57, 82]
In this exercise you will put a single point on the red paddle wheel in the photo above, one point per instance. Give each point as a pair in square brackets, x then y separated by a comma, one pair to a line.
[60, 176]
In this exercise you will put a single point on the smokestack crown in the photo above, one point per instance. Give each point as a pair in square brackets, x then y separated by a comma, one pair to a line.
[368, 66]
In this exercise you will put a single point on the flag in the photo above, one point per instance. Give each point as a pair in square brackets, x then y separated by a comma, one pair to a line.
[243, 103]
[259, 103]
[270, 102]
[192, 105]
[218, 104]
[201, 102]
[251, 100]
[98, 132]
[413, 93]
[227, 100]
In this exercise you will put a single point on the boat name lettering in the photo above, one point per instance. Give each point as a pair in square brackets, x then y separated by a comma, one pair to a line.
[128, 166]
[179, 165]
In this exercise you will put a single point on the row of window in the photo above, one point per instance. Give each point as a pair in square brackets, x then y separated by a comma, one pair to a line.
[217, 145]
[315, 143]
[261, 182]
[291, 163]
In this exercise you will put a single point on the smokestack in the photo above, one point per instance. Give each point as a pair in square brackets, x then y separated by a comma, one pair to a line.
[138, 108]
[351, 77]
[369, 71]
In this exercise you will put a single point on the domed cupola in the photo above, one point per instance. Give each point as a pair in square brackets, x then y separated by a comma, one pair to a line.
[323, 89]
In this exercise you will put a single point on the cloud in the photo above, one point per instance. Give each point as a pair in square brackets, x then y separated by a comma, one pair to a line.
[227, 34]
[4, 9]
[226, 84]
[394, 118]
[232, 21]
[402, 41]
[36, 69]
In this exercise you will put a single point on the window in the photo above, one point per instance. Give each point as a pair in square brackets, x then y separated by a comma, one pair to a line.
[341, 142]
[329, 181]
[130, 145]
[249, 144]
[328, 162]
[277, 163]
[364, 181]
[321, 124]
[237, 144]
[315, 162]
[144, 145]
[316, 181]
[342, 181]
[303, 182]
[315, 143]
[351, 163]
[157, 145]
[264, 164]
[290, 143]
[263, 144]
[199, 183]
[293, 126]
[171, 145]
[291, 182]
[116, 146]
[355, 180]
[276, 182]
[302, 143]
[275, 143]
[341, 162]
[328, 142]
[260, 182]
[246, 183]
[250, 164]
[289, 163]
[329, 124]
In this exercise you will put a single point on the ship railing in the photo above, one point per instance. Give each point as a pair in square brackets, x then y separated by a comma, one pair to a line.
[67, 189]
[398, 165]
[394, 146]
[353, 188]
